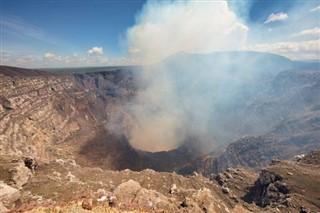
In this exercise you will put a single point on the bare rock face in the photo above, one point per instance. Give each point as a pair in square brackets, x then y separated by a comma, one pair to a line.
[30, 163]
[20, 175]
[270, 189]
[287, 184]
[40, 109]
[8, 196]
[131, 195]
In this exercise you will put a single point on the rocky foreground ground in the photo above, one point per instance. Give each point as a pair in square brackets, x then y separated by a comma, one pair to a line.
[31, 185]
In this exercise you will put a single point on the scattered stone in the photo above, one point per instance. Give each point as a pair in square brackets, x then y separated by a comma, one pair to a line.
[184, 204]
[173, 188]
[289, 173]
[225, 190]
[235, 198]
[87, 204]
[219, 179]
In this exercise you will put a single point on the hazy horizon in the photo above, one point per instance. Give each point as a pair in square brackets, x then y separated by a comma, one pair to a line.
[60, 34]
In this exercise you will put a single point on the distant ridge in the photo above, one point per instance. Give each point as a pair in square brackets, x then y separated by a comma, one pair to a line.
[262, 61]
[16, 71]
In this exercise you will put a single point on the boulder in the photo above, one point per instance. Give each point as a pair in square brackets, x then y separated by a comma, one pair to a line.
[20, 175]
[8, 196]
[87, 204]
[127, 191]
[131, 195]
[31, 163]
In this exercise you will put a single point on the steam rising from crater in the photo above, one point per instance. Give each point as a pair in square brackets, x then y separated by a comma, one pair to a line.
[176, 97]
[167, 27]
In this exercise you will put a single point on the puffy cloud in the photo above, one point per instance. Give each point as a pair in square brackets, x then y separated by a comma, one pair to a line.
[315, 9]
[299, 50]
[95, 51]
[164, 28]
[314, 31]
[49, 55]
[276, 17]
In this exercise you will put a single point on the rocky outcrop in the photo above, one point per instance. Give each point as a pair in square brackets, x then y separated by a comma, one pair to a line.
[130, 195]
[20, 175]
[270, 189]
[287, 184]
[283, 186]
[8, 197]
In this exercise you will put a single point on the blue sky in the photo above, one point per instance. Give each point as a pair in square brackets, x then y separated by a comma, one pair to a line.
[101, 33]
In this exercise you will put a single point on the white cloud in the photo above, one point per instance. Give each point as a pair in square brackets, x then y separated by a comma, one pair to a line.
[51, 59]
[49, 55]
[276, 17]
[164, 28]
[299, 50]
[12, 59]
[315, 9]
[95, 51]
[314, 31]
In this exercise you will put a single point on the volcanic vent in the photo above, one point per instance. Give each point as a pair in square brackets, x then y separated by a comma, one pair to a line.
[165, 117]
[68, 116]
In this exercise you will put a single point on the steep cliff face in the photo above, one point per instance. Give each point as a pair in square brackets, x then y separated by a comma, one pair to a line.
[285, 119]
[39, 109]
[52, 115]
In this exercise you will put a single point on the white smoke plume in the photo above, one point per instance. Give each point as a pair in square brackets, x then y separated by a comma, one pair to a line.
[175, 101]
[166, 27]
